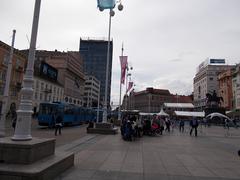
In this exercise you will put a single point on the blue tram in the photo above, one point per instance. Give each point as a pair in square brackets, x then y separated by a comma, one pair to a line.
[72, 115]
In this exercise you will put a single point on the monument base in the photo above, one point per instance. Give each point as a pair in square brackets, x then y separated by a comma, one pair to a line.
[32, 160]
[103, 128]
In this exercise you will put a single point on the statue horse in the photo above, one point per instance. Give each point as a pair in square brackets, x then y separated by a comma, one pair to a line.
[213, 98]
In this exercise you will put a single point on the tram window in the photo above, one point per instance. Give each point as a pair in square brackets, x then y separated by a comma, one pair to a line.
[46, 109]
[68, 110]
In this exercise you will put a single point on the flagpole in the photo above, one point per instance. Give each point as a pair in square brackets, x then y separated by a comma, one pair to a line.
[126, 88]
[120, 97]
[6, 99]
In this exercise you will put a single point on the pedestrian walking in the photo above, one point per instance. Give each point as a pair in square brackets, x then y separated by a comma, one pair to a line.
[194, 125]
[161, 124]
[14, 118]
[226, 122]
[181, 125]
[58, 125]
[168, 124]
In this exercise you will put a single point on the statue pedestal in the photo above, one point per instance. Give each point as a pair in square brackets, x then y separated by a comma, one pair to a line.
[32, 160]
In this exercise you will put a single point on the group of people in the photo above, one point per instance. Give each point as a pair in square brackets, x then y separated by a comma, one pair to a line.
[134, 126]
[131, 127]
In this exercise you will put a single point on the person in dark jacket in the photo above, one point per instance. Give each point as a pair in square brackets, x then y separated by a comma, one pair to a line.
[181, 125]
[194, 125]
[14, 118]
[58, 125]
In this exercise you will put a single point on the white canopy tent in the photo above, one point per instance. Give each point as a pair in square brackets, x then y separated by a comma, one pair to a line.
[190, 113]
[179, 105]
[162, 113]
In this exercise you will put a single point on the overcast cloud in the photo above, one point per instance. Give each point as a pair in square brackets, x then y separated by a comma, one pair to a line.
[165, 39]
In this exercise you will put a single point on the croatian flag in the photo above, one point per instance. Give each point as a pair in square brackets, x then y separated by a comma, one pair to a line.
[106, 4]
[124, 64]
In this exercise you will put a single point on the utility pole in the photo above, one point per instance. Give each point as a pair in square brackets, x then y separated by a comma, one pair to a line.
[6, 89]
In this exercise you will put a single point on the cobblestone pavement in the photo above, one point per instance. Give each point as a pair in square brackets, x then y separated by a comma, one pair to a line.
[210, 156]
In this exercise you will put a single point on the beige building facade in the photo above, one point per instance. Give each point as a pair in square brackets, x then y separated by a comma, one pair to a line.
[70, 73]
[206, 80]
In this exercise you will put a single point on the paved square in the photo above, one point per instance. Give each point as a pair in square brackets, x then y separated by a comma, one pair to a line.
[173, 156]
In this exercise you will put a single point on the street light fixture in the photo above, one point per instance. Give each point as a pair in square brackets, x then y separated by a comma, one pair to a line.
[24, 113]
[108, 4]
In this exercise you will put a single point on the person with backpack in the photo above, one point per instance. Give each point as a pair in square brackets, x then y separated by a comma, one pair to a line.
[194, 125]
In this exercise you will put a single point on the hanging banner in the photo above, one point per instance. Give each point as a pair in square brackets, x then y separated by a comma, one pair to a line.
[130, 85]
[106, 4]
[124, 64]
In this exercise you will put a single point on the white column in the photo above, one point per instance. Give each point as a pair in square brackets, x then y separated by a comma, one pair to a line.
[5, 100]
[24, 113]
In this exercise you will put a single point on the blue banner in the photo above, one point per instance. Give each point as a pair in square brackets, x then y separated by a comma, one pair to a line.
[106, 4]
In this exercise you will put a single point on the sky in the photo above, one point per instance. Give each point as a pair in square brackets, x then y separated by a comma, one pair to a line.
[165, 40]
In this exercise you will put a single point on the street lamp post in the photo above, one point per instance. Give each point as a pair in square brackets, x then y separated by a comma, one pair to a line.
[24, 113]
[110, 4]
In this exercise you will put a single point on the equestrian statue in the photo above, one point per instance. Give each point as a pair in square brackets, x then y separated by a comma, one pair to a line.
[213, 99]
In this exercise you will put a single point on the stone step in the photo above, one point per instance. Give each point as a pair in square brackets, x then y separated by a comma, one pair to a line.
[102, 130]
[44, 169]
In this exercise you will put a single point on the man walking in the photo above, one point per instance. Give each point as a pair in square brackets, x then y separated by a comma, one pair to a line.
[181, 126]
[194, 125]
[58, 125]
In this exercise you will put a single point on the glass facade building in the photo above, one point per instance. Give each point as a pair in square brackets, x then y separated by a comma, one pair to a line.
[94, 54]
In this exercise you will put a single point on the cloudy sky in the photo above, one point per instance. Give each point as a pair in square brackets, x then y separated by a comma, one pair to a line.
[165, 40]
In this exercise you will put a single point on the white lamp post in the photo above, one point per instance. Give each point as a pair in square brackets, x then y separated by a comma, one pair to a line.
[108, 4]
[24, 113]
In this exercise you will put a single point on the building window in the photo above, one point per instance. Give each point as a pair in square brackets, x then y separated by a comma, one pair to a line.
[37, 84]
[5, 59]
[42, 86]
[36, 96]
[14, 92]
[211, 78]
[18, 63]
[40, 96]
[1, 90]
[3, 77]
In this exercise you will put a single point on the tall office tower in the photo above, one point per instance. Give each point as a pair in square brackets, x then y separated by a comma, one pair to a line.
[94, 53]
[206, 80]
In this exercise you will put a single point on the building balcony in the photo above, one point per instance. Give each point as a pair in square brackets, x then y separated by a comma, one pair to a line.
[46, 90]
